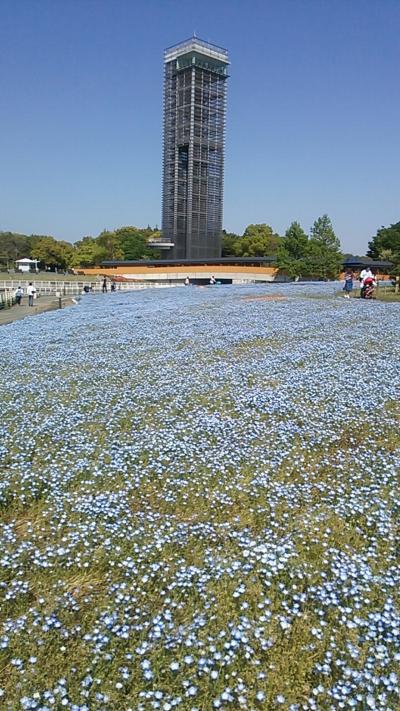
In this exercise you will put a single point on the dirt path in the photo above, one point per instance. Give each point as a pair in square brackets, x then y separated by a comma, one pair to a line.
[42, 304]
[270, 297]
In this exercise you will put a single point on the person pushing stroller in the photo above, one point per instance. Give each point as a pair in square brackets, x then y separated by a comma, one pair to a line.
[369, 287]
[367, 279]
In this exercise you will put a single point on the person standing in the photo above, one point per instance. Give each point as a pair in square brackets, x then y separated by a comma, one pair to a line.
[18, 295]
[348, 283]
[187, 281]
[104, 287]
[31, 291]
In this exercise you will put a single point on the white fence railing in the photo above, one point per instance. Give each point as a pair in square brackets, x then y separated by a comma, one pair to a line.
[6, 299]
[73, 288]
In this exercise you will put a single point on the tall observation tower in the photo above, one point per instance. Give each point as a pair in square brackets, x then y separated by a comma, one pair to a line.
[194, 136]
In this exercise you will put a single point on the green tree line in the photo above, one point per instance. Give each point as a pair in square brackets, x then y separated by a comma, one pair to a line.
[385, 246]
[122, 243]
[317, 256]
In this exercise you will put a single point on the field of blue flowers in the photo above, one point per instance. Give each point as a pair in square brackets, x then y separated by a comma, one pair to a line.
[200, 503]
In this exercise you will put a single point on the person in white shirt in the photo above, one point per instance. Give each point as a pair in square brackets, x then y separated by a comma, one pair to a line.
[31, 291]
[366, 272]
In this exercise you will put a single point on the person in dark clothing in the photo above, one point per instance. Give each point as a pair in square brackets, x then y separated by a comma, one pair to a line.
[104, 287]
[18, 295]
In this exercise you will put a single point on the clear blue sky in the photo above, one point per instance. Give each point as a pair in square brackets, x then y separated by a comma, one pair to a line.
[312, 123]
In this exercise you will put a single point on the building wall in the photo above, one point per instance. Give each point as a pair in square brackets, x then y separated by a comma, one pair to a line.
[379, 276]
[194, 272]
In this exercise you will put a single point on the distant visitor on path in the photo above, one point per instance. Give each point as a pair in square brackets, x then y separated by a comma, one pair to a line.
[31, 291]
[213, 280]
[187, 281]
[348, 283]
[18, 295]
[113, 287]
[104, 287]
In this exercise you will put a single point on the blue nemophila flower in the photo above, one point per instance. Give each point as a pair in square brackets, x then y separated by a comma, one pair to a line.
[186, 492]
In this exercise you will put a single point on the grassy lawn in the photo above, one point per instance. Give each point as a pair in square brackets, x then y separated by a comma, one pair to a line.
[388, 295]
[385, 294]
[199, 499]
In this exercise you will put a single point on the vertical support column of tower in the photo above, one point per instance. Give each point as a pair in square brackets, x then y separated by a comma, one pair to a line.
[173, 157]
[194, 142]
[189, 203]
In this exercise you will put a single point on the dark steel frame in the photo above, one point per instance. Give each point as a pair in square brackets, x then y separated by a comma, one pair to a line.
[194, 144]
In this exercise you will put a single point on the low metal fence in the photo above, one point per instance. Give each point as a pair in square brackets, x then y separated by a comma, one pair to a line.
[7, 298]
[386, 287]
[73, 288]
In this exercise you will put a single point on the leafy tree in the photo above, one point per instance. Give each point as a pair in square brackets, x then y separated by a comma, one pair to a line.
[52, 252]
[387, 255]
[110, 242]
[385, 245]
[229, 241]
[293, 250]
[67, 254]
[154, 234]
[258, 241]
[295, 241]
[322, 262]
[385, 238]
[324, 258]
[322, 231]
[318, 257]
[88, 253]
[13, 246]
[133, 243]
[294, 268]
[150, 232]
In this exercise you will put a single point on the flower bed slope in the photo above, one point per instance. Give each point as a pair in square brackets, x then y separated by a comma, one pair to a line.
[200, 503]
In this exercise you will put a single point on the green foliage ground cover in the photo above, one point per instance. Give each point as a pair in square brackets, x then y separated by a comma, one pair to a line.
[200, 504]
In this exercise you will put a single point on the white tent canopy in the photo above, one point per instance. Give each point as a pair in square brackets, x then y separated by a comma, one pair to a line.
[25, 264]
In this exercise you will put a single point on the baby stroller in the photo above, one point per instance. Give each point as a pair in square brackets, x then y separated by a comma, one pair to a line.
[369, 288]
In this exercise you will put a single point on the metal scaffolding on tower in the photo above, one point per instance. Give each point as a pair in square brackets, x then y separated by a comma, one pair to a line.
[194, 145]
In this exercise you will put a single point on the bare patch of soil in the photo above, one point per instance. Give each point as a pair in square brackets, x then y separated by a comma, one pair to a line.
[274, 297]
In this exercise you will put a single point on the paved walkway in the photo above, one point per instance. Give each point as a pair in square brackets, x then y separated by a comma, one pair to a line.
[42, 304]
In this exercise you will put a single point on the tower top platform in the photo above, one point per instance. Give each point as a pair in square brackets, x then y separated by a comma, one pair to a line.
[195, 44]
